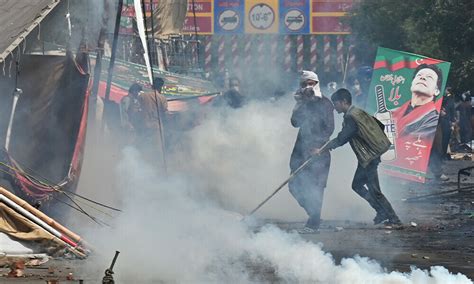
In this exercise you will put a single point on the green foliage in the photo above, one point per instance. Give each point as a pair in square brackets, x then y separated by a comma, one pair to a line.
[442, 29]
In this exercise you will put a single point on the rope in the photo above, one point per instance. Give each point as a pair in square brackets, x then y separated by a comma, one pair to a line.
[82, 210]
[95, 219]
[55, 187]
[49, 183]
[78, 208]
[94, 208]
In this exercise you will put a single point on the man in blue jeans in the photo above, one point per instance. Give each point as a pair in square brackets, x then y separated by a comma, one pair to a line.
[368, 141]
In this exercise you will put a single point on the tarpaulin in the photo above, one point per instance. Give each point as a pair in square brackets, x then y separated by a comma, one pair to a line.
[48, 130]
[168, 17]
[18, 19]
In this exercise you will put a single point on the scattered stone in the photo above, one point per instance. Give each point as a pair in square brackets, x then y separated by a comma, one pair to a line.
[17, 269]
[51, 270]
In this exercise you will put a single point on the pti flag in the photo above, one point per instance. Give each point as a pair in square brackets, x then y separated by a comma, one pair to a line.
[406, 93]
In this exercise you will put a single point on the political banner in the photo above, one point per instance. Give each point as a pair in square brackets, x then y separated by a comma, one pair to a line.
[406, 94]
[229, 16]
[294, 17]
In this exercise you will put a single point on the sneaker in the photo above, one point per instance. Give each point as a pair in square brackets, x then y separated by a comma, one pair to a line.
[308, 230]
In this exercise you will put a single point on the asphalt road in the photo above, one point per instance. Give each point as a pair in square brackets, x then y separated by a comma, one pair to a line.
[442, 233]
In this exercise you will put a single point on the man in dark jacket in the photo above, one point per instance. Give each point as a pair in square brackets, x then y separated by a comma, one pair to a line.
[313, 115]
[447, 119]
[465, 114]
[233, 97]
[368, 141]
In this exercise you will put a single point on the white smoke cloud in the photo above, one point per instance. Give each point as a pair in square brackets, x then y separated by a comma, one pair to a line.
[176, 228]
[245, 155]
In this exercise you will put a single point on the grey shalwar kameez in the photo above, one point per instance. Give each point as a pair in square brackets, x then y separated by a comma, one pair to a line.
[315, 120]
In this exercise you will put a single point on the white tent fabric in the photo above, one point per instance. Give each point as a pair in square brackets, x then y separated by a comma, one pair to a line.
[9, 246]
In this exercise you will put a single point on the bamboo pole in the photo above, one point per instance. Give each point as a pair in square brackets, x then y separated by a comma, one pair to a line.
[54, 238]
[43, 217]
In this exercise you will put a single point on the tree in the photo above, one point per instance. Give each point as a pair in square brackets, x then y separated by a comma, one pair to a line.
[442, 29]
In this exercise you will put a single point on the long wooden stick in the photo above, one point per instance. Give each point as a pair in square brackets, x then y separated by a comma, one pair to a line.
[293, 174]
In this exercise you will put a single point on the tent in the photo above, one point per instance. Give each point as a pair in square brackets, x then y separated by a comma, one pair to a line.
[43, 107]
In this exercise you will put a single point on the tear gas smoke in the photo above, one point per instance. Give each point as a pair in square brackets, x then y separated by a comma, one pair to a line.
[244, 155]
[175, 229]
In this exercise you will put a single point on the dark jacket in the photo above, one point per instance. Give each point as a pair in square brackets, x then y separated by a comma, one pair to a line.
[315, 120]
[231, 98]
[364, 133]
[450, 109]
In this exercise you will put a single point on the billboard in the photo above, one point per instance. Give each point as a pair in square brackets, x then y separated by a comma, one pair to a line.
[406, 94]
[199, 18]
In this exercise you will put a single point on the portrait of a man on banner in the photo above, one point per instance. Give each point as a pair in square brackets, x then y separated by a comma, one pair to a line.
[406, 94]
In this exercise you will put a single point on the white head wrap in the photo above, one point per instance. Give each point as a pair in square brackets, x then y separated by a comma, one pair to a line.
[310, 75]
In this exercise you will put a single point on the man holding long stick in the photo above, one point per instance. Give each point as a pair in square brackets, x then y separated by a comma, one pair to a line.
[368, 141]
[313, 115]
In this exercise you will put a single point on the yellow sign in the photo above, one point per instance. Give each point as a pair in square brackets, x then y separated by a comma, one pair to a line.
[261, 16]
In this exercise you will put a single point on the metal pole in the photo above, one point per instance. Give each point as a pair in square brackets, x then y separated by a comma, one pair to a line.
[98, 65]
[114, 51]
[347, 65]
[16, 96]
[196, 33]
[158, 110]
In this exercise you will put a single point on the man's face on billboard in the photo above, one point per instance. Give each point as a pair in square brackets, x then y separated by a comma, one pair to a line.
[425, 83]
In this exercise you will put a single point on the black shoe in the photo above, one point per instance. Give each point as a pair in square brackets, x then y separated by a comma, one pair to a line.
[313, 223]
[394, 221]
